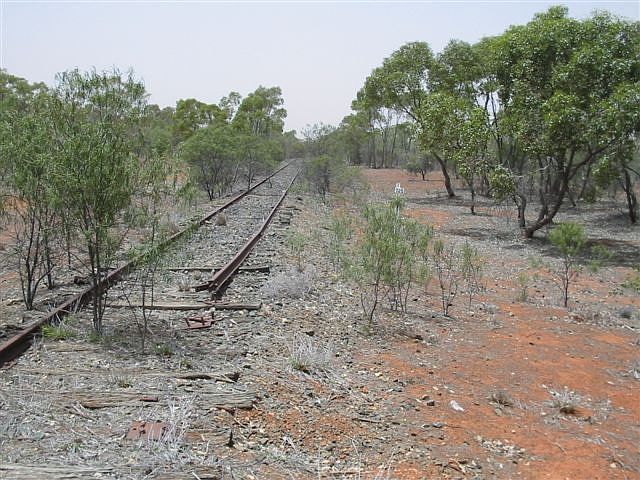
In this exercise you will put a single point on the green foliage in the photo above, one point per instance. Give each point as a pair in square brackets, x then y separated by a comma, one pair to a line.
[598, 255]
[457, 69]
[96, 112]
[388, 256]
[28, 165]
[191, 115]
[157, 182]
[331, 175]
[402, 80]
[258, 125]
[261, 113]
[538, 108]
[17, 94]
[455, 129]
[322, 173]
[501, 182]
[164, 350]
[211, 153]
[558, 80]
[523, 285]
[320, 140]
[57, 332]
[420, 165]
[569, 238]
[341, 231]
[292, 147]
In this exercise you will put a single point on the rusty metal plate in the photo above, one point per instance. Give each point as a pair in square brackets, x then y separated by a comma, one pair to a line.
[194, 323]
[147, 430]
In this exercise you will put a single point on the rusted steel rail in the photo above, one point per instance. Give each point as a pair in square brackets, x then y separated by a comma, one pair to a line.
[20, 342]
[222, 276]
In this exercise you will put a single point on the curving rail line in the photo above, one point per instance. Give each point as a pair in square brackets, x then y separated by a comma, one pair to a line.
[19, 343]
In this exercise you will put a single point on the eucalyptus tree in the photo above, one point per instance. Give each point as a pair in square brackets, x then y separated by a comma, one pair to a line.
[16, 93]
[556, 76]
[261, 113]
[157, 130]
[621, 165]
[230, 103]
[191, 115]
[364, 118]
[456, 129]
[258, 156]
[382, 123]
[211, 155]
[404, 82]
[292, 146]
[93, 117]
[354, 138]
[319, 139]
[257, 125]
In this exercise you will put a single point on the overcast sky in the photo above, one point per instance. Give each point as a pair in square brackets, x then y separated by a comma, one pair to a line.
[319, 53]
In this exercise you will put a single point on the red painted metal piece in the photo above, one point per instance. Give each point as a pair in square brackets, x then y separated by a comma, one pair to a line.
[148, 430]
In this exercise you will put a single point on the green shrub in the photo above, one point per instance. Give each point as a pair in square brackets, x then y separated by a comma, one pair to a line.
[388, 256]
[570, 240]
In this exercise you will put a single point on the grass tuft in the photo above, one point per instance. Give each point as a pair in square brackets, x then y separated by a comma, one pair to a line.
[565, 401]
[164, 350]
[221, 220]
[57, 332]
[501, 397]
[290, 284]
[307, 356]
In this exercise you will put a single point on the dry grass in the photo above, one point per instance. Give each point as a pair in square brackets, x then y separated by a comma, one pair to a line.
[221, 220]
[502, 397]
[305, 355]
[565, 401]
[291, 283]
[184, 283]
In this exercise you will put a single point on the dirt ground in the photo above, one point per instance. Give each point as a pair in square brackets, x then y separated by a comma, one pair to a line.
[503, 361]
[530, 350]
[475, 395]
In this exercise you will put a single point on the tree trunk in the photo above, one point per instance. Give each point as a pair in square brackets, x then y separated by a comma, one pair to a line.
[445, 174]
[521, 202]
[585, 182]
[546, 215]
[632, 200]
[48, 262]
[473, 200]
[393, 144]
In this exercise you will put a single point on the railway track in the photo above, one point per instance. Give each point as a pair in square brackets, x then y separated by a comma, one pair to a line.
[224, 246]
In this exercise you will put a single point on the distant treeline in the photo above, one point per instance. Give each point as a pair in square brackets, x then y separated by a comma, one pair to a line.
[85, 159]
[545, 113]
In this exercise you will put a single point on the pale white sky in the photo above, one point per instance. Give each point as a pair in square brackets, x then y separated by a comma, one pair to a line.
[319, 52]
